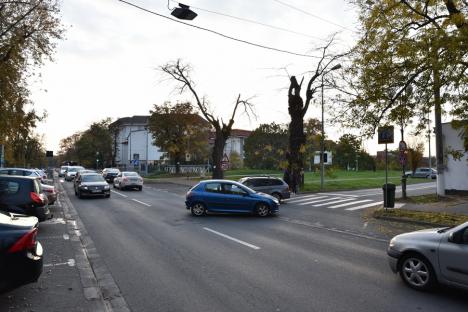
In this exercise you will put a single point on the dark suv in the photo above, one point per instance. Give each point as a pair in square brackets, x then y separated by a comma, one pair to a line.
[23, 195]
[268, 185]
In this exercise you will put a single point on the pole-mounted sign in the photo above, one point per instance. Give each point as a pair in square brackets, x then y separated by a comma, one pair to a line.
[385, 135]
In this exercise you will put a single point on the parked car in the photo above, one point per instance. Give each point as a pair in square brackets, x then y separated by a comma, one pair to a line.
[128, 179]
[63, 170]
[49, 191]
[23, 195]
[21, 172]
[276, 187]
[20, 252]
[71, 172]
[427, 173]
[229, 196]
[110, 173]
[425, 258]
[91, 184]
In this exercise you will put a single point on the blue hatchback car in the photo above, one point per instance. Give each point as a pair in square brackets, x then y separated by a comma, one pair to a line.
[229, 196]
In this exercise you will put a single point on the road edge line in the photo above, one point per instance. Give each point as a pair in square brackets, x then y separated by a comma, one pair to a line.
[96, 279]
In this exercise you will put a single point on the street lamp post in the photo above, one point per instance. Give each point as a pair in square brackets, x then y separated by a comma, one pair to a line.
[322, 138]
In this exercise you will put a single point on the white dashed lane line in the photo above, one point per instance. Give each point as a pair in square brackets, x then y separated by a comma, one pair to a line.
[232, 238]
[70, 263]
[140, 202]
[123, 195]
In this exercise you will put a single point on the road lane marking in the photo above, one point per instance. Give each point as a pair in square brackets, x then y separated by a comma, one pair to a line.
[70, 262]
[349, 204]
[291, 199]
[123, 195]
[334, 202]
[338, 194]
[317, 201]
[302, 200]
[365, 206]
[232, 238]
[140, 202]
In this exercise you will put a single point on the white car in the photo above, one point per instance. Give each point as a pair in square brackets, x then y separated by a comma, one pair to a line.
[63, 170]
[128, 179]
[71, 172]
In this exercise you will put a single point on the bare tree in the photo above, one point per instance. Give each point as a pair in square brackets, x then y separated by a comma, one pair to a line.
[297, 109]
[180, 72]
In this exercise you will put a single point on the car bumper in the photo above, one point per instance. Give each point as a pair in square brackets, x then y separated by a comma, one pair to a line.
[132, 184]
[110, 179]
[43, 213]
[94, 192]
[286, 195]
[393, 257]
[22, 268]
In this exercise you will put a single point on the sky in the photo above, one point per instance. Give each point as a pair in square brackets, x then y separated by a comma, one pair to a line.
[107, 65]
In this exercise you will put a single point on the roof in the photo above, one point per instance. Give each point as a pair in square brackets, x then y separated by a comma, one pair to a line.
[240, 133]
[143, 120]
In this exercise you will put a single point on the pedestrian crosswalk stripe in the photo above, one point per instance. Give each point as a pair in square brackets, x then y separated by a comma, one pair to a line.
[365, 206]
[317, 201]
[338, 194]
[298, 200]
[349, 204]
[334, 202]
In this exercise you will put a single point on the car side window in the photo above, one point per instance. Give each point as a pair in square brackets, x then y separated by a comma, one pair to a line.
[37, 187]
[248, 183]
[276, 182]
[8, 187]
[213, 187]
[465, 236]
[232, 189]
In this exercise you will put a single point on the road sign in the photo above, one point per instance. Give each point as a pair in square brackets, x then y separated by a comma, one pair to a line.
[327, 158]
[49, 153]
[136, 162]
[403, 159]
[225, 162]
[385, 135]
[402, 146]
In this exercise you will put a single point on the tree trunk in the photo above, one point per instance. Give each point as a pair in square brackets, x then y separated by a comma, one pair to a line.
[297, 137]
[218, 154]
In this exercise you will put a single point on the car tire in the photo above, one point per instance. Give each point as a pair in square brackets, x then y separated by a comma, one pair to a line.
[277, 196]
[417, 272]
[107, 196]
[113, 184]
[262, 210]
[140, 188]
[120, 186]
[198, 209]
[80, 195]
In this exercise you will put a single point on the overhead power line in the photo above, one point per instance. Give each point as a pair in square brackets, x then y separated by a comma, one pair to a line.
[220, 34]
[254, 22]
[310, 14]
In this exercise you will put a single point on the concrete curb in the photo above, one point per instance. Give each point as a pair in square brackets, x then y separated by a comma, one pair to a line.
[98, 283]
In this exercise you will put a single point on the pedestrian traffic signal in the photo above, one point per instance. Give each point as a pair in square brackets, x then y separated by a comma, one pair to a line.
[325, 157]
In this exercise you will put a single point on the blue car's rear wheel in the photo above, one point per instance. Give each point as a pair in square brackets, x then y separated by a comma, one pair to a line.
[198, 209]
[262, 210]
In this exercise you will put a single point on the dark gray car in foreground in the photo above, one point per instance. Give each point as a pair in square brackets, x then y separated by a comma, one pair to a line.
[428, 257]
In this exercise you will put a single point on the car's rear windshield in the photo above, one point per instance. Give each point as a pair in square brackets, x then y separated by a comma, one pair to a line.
[113, 170]
[92, 178]
[131, 174]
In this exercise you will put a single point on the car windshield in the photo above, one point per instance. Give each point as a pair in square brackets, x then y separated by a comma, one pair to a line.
[92, 178]
[72, 169]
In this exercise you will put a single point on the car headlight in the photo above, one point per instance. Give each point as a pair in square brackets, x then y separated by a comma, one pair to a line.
[106, 187]
[392, 243]
[84, 187]
[276, 201]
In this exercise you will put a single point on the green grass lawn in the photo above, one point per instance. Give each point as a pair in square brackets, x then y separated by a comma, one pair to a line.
[340, 179]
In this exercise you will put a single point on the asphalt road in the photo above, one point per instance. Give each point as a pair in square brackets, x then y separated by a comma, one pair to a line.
[305, 259]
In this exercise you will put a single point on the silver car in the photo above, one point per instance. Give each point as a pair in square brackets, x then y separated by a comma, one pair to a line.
[425, 258]
[71, 172]
[128, 179]
[275, 187]
[427, 173]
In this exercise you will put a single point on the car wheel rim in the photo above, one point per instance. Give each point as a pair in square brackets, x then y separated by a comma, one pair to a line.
[262, 210]
[198, 209]
[416, 272]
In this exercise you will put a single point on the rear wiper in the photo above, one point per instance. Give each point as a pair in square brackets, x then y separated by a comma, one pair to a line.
[444, 229]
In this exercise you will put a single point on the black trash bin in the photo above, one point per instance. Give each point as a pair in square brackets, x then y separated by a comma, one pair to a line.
[389, 195]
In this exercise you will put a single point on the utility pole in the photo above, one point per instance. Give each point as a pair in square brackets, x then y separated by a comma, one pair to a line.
[429, 137]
